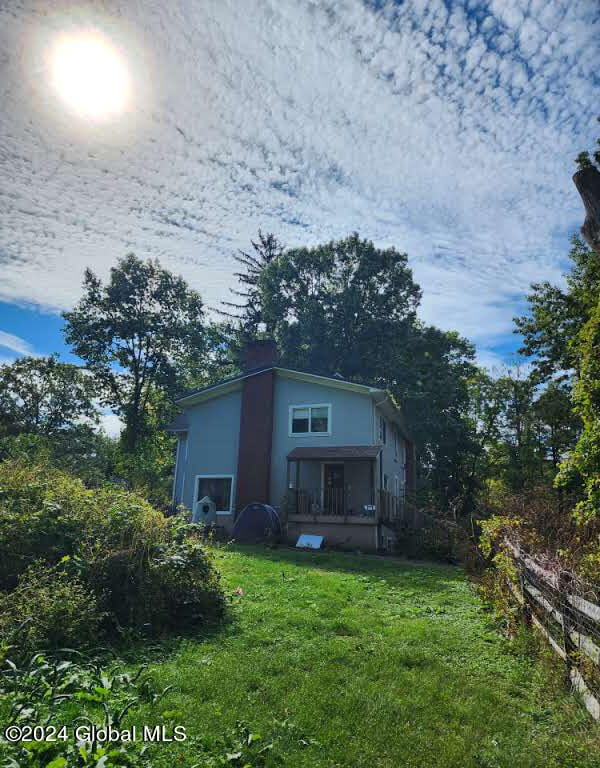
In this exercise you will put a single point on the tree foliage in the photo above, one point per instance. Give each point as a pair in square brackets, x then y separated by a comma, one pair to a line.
[557, 315]
[350, 308]
[583, 467]
[248, 311]
[339, 307]
[132, 334]
[44, 396]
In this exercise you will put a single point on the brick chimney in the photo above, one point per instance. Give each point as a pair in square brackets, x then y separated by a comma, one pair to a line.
[258, 353]
[256, 424]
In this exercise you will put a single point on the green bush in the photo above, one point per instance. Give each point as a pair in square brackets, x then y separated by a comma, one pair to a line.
[53, 608]
[173, 586]
[41, 515]
[70, 690]
[139, 569]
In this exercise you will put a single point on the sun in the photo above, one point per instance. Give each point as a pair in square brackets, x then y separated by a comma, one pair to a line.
[90, 76]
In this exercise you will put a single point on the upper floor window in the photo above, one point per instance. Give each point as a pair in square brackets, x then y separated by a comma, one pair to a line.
[310, 419]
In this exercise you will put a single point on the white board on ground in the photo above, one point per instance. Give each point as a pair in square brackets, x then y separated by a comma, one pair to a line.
[308, 541]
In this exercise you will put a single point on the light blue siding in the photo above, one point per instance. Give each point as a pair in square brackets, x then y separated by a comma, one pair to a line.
[180, 469]
[213, 439]
[392, 464]
[351, 424]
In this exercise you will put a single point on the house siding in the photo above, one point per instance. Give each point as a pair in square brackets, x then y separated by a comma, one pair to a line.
[212, 445]
[180, 467]
[351, 424]
[391, 465]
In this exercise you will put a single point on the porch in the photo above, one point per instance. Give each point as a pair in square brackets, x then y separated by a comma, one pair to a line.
[339, 485]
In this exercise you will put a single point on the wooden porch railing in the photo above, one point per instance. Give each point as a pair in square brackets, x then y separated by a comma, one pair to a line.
[380, 505]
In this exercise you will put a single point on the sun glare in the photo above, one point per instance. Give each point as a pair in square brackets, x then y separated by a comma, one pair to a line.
[90, 76]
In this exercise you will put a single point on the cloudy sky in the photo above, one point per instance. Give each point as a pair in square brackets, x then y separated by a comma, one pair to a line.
[447, 129]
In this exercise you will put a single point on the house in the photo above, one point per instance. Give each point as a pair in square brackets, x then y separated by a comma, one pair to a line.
[332, 456]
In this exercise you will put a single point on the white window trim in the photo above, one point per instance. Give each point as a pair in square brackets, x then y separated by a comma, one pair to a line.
[309, 433]
[216, 477]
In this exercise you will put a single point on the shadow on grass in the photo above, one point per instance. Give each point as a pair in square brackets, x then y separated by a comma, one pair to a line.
[435, 575]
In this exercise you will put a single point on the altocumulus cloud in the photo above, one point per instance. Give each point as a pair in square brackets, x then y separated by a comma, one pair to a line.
[447, 129]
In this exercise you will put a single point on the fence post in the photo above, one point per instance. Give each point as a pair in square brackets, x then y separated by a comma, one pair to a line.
[564, 583]
[526, 607]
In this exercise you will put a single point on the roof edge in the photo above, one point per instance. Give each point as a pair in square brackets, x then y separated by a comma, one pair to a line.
[233, 384]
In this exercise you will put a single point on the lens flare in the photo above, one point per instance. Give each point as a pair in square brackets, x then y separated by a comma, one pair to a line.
[90, 76]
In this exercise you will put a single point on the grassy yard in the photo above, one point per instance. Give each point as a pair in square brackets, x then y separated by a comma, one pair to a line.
[340, 660]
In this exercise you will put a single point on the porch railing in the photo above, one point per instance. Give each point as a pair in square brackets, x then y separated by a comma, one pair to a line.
[381, 505]
[392, 508]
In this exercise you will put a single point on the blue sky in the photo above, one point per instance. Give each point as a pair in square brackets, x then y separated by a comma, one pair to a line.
[446, 129]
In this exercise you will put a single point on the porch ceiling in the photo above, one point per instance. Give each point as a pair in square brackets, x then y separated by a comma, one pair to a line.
[345, 452]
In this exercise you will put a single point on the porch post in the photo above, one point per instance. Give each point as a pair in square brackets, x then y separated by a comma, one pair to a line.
[287, 482]
[297, 485]
[373, 494]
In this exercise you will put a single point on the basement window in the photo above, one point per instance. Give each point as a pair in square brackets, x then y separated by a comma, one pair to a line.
[310, 419]
[218, 488]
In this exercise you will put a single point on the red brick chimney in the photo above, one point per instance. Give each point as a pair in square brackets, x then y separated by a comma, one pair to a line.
[256, 424]
[259, 353]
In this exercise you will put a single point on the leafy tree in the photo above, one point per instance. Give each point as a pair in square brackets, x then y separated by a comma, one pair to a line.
[557, 315]
[350, 308]
[430, 377]
[339, 307]
[223, 343]
[558, 425]
[85, 452]
[48, 413]
[44, 396]
[583, 466]
[133, 332]
[485, 411]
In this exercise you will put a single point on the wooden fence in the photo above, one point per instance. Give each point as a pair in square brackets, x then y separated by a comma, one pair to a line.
[567, 612]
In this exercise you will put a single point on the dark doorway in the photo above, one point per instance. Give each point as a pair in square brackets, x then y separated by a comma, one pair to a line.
[333, 492]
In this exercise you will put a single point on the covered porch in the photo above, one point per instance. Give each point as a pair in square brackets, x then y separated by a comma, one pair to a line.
[338, 484]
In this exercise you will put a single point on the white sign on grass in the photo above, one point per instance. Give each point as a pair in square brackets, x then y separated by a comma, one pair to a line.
[308, 541]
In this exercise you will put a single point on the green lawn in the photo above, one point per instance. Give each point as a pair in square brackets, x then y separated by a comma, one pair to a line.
[342, 660]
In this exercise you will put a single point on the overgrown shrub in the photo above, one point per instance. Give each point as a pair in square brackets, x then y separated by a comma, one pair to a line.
[41, 512]
[53, 607]
[140, 569]
[173, 586]
[543, 522]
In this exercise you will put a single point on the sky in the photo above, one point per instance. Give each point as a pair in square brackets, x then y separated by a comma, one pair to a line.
[445, 129]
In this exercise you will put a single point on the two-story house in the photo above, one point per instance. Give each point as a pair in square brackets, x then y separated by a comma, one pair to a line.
[332, 456]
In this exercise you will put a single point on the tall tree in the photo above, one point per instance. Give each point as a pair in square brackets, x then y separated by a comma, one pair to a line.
[348, 307]
[41, 395]
[132, 333]
[557, 315]
[48, 413]
[583, 465]
[558, 424]
[339, 307]
[248, 311]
